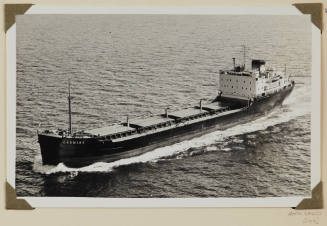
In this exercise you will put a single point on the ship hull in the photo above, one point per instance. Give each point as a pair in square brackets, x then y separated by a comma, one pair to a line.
[77, 152]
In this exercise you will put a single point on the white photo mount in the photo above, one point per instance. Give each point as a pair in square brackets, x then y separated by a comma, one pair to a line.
[169, 202]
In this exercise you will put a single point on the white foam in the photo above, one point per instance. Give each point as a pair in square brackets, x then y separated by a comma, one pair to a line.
[297, 104]
[39, 167]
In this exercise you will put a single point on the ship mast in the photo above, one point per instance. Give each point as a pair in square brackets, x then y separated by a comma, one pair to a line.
[69, 110]
[285, 71]
[244, 56]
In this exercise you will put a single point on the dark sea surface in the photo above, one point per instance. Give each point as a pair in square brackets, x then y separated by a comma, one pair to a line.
[137, 65]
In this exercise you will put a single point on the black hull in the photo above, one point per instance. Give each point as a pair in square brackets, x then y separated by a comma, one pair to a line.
[78, 152]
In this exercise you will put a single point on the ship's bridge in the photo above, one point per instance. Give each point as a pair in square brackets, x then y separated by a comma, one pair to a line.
[236, 73]
[244, 85]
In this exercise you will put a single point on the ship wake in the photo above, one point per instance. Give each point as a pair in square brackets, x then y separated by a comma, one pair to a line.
[297, 104]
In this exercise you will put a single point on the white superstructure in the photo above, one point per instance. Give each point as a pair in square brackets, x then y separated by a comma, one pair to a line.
[241, 84]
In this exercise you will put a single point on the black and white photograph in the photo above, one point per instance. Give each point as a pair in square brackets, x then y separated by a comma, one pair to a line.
[163, 106]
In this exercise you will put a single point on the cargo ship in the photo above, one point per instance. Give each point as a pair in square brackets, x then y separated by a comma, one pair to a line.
[242, 96]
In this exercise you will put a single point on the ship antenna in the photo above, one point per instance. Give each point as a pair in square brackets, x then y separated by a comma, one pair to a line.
[69, 110]
[285, 71]
[244, 56]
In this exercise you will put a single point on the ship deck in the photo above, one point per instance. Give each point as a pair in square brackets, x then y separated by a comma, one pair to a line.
[185, 113]
[108, 130]
[214, 106]
[148, 122]
[138, 126]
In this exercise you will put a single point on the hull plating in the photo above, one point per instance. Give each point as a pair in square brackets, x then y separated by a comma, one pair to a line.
[77, 152]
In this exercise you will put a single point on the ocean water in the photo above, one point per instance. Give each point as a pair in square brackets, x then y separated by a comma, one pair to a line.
[138, 65]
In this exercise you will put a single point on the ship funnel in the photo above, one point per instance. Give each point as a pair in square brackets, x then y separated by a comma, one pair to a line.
[127, 121]
[234, 63]
[257, 64]
[200, 105]
[166, 112]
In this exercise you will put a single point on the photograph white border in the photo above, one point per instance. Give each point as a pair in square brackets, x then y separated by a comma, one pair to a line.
[165, 202]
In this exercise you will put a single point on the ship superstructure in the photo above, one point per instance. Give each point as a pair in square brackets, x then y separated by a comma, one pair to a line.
[239, 84]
